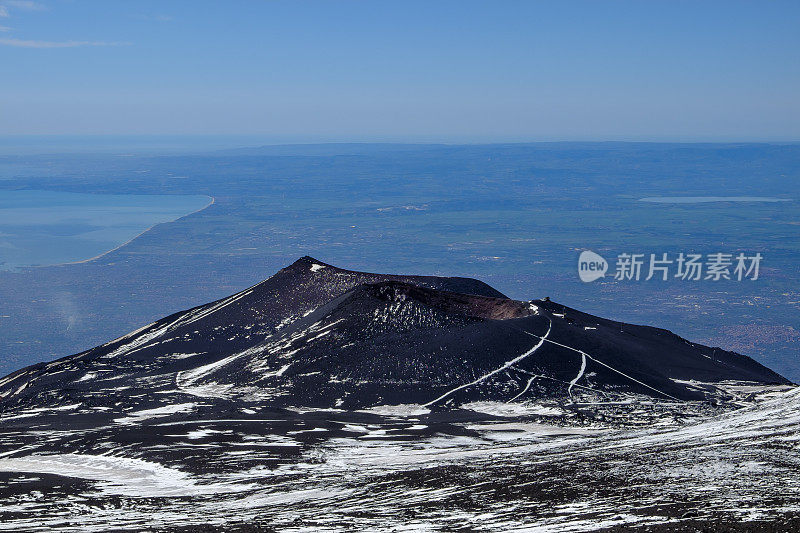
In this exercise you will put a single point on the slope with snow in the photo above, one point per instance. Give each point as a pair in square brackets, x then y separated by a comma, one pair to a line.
[325, 398]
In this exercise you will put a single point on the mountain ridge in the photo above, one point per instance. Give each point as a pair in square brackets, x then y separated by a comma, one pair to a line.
[315, 334]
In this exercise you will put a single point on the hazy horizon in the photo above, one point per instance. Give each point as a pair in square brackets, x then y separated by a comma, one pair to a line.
[381, 71]
[31, 145]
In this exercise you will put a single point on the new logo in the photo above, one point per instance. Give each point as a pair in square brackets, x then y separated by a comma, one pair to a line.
[591, 266]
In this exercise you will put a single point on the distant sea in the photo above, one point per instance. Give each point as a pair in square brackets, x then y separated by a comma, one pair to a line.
[50, 227]
[706, 199]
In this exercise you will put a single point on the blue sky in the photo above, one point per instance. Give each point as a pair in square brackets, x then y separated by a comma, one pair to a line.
[404, 70]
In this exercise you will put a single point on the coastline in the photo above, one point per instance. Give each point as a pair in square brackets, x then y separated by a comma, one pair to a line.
[114, 249]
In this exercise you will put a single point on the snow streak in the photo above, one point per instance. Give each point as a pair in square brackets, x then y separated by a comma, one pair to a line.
[506, 366]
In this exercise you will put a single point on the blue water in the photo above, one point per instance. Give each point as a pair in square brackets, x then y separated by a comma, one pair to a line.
[708, 199]
[48, 227]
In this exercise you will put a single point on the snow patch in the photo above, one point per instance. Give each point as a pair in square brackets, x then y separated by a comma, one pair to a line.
[135, 417]
[119, 475]
[513, 409]
[403, 409]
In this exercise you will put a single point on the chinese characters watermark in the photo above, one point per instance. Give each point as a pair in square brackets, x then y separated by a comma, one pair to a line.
[664, 266]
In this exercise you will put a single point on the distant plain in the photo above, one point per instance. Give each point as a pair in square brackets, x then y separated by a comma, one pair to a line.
[513, 215]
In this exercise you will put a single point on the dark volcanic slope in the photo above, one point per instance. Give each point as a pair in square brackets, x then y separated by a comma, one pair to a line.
[316, 335]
